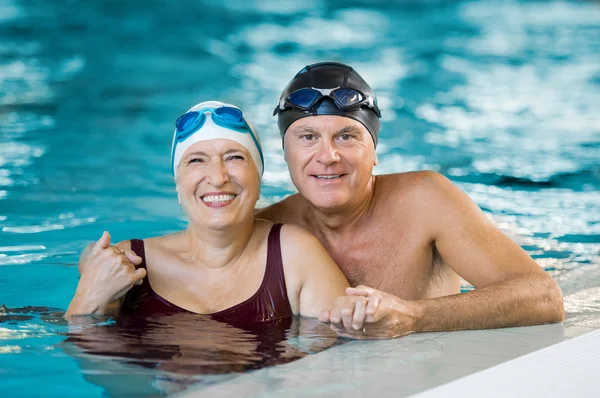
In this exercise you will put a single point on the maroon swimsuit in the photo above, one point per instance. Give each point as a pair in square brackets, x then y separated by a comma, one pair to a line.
[269, 303]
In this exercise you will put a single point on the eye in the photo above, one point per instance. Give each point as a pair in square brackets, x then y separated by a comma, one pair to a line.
[195, 160]
[346, 137]
[308, 137]
[235, 157]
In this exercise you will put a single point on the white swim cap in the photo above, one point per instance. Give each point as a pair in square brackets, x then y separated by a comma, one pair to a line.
[212, 120]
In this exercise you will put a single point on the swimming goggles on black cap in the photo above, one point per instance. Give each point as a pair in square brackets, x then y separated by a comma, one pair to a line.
[346, 99]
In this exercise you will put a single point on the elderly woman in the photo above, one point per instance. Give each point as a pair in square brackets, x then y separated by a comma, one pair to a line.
[225, 264]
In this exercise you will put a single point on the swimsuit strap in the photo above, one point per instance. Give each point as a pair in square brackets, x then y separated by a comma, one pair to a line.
[274, 249]
[276, 274]
[137, 245]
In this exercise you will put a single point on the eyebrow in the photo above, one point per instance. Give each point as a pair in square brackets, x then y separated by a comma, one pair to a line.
[227, 152]
[305, 129]
[349, 129]
[312, 130]
[200, 153]
[195, 153]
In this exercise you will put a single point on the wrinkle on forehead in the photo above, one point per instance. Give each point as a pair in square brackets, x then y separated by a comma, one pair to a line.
[322, 125]
[218, 153]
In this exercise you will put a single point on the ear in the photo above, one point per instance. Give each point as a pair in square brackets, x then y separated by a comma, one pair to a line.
[376, 160]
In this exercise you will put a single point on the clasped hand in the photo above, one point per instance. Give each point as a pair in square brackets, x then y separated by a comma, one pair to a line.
[108, 273]
[367, 313]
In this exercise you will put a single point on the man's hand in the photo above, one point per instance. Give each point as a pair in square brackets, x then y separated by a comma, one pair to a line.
[107, 275]
[367, 313]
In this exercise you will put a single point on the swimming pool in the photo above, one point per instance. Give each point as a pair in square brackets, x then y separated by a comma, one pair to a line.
[502, 97]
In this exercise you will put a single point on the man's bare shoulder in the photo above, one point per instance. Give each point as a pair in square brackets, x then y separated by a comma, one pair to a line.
[289, 210]
[428, 194]
[411, 183]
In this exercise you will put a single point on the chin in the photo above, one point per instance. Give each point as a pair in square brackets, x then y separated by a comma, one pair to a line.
[219, 223]
[329, 200]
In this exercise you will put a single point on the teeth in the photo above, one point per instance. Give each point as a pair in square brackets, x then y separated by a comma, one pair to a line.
[329, 177]
[218, 198]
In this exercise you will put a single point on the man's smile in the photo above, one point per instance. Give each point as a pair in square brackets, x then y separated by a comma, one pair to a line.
[328, 177]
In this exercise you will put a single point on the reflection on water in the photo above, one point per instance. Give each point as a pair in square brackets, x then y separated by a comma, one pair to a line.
[131, 355]
[185, 348]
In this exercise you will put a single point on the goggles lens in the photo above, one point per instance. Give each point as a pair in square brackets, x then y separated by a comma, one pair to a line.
[229, 114]
[348, 97]
[186, 120]
[304, 98]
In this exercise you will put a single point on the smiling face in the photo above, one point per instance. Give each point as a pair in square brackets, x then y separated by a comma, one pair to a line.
[217, 183]
[330, 159]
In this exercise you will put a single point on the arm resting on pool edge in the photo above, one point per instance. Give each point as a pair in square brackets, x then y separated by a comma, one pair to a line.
[503, 304]
[511, 289]
[107, 274]
[312, 278]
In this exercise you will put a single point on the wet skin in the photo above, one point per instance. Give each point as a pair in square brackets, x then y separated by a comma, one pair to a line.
[220, 259]
[409, 234]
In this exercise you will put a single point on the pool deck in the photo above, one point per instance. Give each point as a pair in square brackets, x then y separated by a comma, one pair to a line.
[435, 364]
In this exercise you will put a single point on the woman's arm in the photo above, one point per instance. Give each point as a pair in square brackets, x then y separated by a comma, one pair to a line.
[107, 274]
[312, 278]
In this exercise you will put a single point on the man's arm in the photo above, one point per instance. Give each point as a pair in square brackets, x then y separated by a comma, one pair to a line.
[510, 288]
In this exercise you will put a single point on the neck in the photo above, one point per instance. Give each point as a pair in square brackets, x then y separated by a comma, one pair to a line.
[340, 219]
[217, 248]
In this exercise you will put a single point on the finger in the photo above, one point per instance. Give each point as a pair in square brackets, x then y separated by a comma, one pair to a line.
[352, 291]
[134, 258]
[359, 314]
[338, 328]
[347, 313]
[335, 317]
[361, 290]
[324, 316]
[334, 328]
[334, 314]
[139, 276]
[372, 305]
[378, 315]
[102, 243]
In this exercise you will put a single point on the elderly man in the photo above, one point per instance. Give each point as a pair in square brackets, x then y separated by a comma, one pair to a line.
[411, 235]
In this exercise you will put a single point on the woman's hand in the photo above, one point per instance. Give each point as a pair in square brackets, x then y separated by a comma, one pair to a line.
[106, 276]
[367, 313]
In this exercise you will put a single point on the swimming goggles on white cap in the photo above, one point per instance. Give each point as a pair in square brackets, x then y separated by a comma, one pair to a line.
[215, 120]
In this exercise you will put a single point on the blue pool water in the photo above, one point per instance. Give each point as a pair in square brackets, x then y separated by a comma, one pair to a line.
[502, 97]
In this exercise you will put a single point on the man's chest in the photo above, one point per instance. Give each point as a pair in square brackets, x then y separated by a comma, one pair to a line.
[399, 266]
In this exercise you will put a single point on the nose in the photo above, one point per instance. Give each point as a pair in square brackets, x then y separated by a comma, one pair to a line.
[327, 153]
[218, 174]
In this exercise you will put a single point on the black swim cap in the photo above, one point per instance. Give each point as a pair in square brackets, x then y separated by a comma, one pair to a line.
[329, 75]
